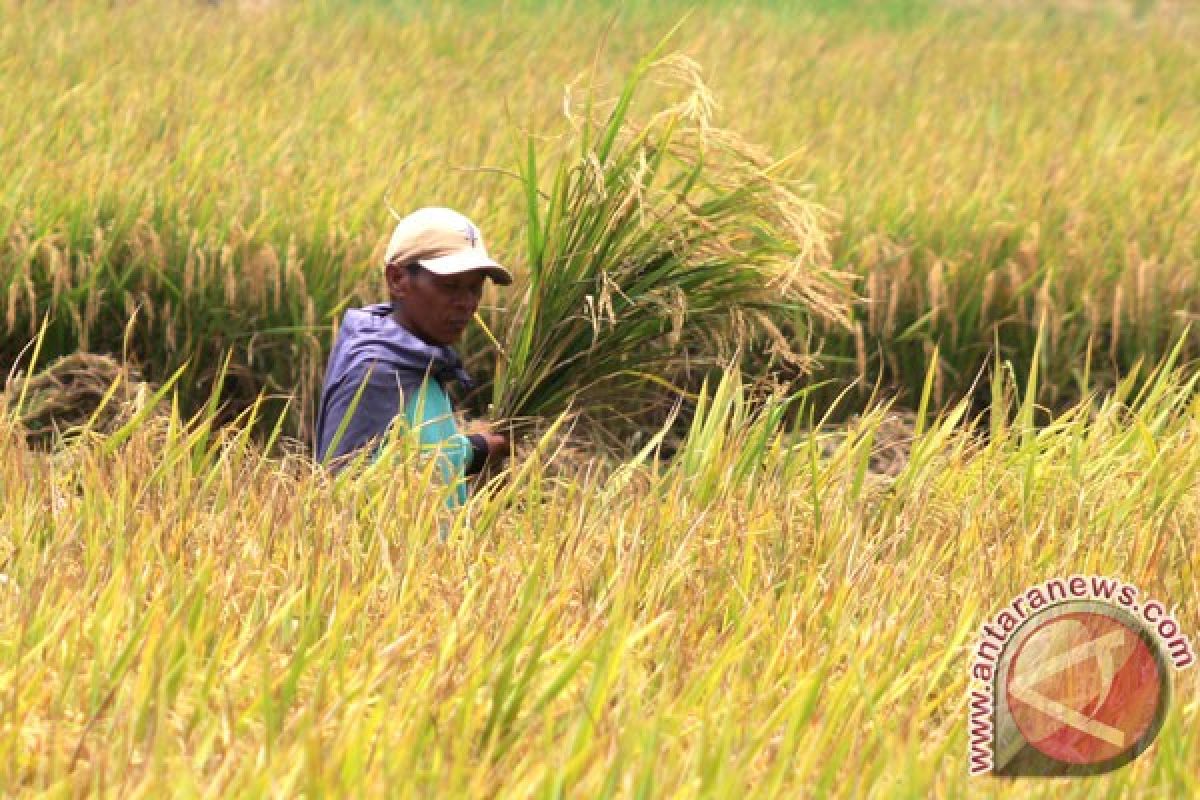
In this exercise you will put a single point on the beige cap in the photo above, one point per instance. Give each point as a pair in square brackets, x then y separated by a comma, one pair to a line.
[444, 242]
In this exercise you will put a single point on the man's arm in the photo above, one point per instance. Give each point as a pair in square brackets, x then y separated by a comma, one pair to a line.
[479, 446]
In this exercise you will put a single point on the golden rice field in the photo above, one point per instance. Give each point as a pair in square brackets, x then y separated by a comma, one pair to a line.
[189, 607]
[185, 617]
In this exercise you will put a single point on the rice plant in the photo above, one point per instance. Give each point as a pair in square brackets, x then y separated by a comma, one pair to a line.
[745, 605]
[184, 615]
[655, 241]
[230, 176]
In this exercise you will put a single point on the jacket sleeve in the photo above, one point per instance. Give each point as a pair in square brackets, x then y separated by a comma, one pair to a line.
[374, 413]
[479, 454]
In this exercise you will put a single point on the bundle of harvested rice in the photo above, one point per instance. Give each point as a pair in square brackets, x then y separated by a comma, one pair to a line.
[658, 248]
[72, 392]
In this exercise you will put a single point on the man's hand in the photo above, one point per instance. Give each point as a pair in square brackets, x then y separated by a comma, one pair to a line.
[499, 445]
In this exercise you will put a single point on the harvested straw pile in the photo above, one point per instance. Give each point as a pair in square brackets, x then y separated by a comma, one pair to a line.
[893, 435]
[72, 392]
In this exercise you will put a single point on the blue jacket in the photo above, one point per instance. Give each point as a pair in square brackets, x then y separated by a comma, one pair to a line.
[402, 368]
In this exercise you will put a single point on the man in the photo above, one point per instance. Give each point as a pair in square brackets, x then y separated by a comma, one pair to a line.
[396, 357]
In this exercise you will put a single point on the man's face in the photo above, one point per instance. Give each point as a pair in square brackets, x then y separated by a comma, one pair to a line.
[436, 308]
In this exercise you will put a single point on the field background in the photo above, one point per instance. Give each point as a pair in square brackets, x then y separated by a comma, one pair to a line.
[226, 170]
[182, 614]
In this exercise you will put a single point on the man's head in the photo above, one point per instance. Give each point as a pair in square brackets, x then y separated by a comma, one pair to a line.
[435, 268]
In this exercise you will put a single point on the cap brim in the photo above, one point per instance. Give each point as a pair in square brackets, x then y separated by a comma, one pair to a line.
[457, 263]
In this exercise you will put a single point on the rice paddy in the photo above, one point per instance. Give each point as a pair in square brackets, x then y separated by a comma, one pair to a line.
[986, 214]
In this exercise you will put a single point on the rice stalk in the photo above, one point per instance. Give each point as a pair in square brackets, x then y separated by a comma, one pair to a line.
[656, 241]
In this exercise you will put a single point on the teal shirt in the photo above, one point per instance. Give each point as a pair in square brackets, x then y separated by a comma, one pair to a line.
[429, 413]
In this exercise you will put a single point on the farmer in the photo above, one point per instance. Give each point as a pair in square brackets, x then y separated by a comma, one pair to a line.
[398, 354]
